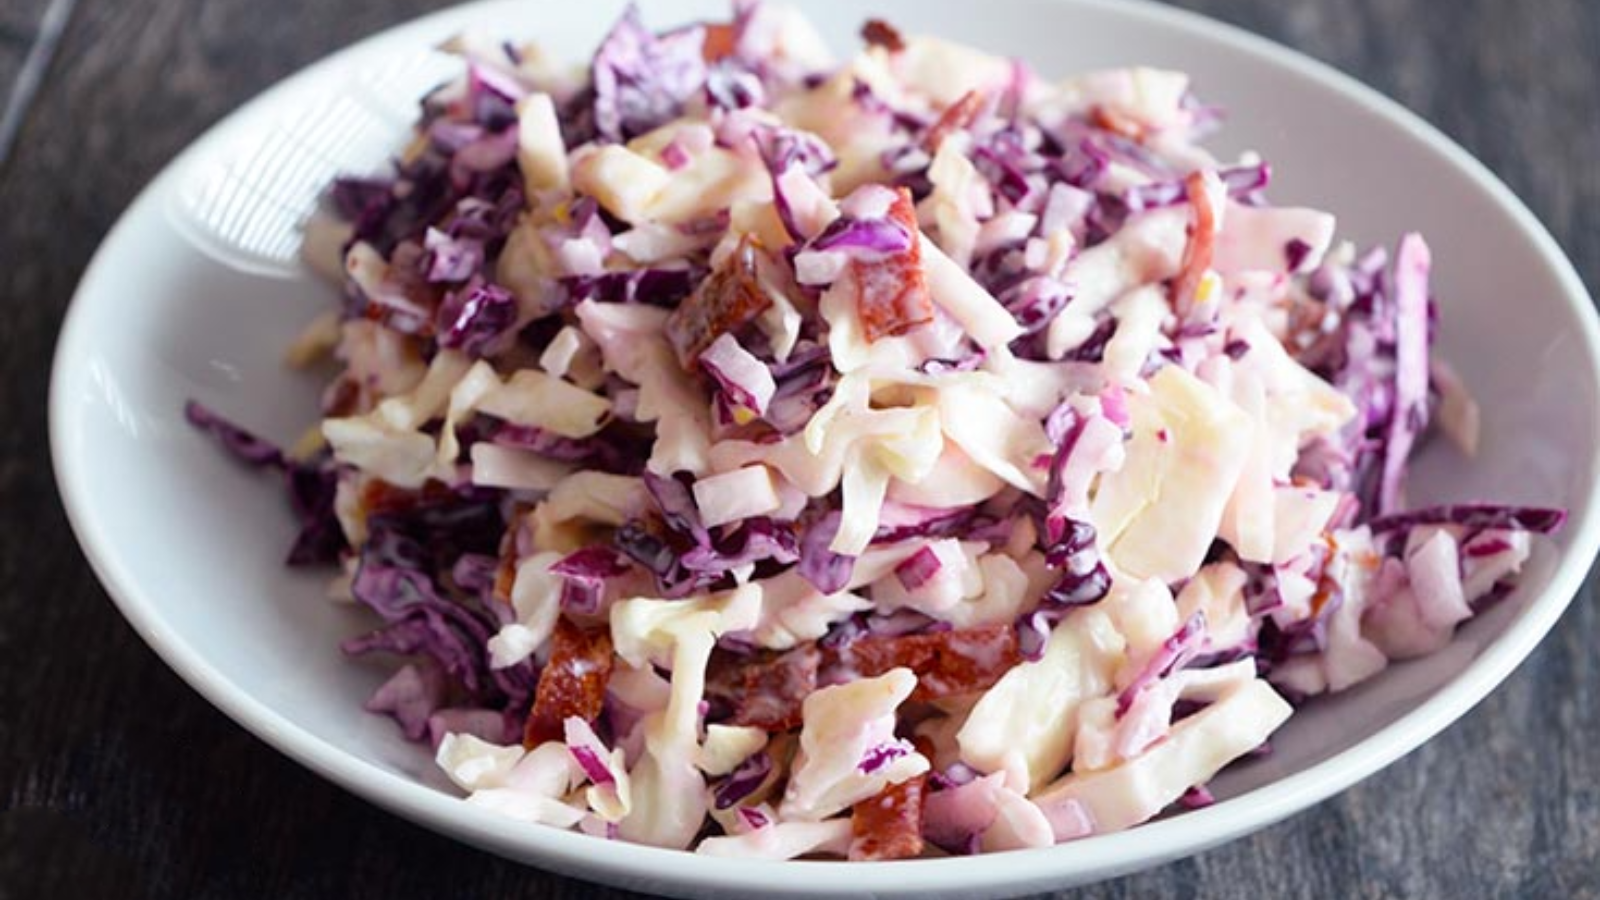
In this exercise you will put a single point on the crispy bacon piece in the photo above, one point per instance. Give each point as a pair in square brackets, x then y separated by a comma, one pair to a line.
[945, 662]
[1116, 123]
[892, 291]
[720, 41]
[379, 497]
[766, 690]
[345, 397]
[414, 313]
[1206, 195]
[505, 574]
[573, 682]
[888, 825]
[403, 321]
[957, 116]
[1327, 587]
[878, 33]
[730, 297]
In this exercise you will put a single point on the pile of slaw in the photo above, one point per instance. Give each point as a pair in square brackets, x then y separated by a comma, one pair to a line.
[780, 458]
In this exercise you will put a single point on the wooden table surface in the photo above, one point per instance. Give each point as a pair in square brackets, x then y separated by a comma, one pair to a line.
[118, 780]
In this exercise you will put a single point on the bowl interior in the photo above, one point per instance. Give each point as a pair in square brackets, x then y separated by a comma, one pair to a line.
[185, 300]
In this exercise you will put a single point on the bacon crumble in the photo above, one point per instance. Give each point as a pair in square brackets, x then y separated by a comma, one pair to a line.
[573, 682]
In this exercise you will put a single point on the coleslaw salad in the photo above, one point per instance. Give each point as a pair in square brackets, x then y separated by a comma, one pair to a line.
[896, 458]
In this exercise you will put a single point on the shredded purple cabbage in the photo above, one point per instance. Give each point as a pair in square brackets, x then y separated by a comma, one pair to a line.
[402, 575]
[1175, 653]
[877, 757]
[243, 445]
[477, 318]
[642, 80]
[311, 485]
[584, 573]
[1537, 519]
[742, 781]
[656, 287]
[828, 572]
[875, 235]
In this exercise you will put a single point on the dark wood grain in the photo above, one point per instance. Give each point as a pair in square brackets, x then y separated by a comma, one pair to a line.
[30, 32]
[19, 27]
[118, 781]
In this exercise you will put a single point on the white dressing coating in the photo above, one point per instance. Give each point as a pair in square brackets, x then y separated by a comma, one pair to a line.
[541, 154]
[735, 495]
[843, 725]
[632, 345]
[994, 436]
[1025, 724]
[1217, 593]
[1149, 96]
[668, 789]
[1195, 749]
[507, 467]
[528, 786]
[536, 598]
[1148, 249]
[973, 308]
[538, 400]
[784, 840]
[725, 746]
[1255, 238]
[1158, 514]
[386, 441]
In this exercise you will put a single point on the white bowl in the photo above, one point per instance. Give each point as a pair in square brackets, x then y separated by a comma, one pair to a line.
[195, 293]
